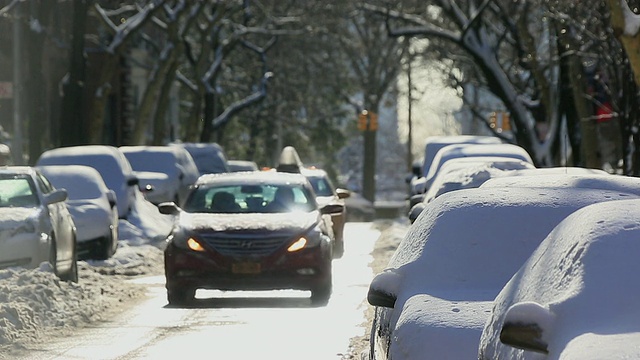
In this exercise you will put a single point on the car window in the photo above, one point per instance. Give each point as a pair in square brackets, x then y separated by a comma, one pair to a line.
[44, 184]
[244, 198]
[321, 186]
[18, 192]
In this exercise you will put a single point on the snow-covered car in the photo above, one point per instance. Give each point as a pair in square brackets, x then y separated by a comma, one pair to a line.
[160, 168]
[433, 144]
[35, 224]
[472, 150]
[465, 173]
[575, 297]
[434, 297]
[208, 157]
[110, 162]
[258, 230]
[242, 165]
[92, 206]
[326, 194]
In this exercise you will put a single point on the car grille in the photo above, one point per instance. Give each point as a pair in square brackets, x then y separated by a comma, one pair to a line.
[245, 244]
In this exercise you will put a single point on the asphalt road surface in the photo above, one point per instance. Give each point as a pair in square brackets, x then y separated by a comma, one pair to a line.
[233, 325]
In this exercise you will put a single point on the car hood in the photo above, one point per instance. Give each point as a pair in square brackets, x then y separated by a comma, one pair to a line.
[296, 221]
[443, 328]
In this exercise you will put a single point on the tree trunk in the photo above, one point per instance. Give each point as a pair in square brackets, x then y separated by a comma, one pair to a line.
[72, 124]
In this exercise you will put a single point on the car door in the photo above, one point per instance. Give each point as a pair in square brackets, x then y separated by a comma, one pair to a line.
[61, 222]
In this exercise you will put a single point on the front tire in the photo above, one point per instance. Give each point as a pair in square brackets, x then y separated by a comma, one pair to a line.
[321, 294]
[180, 296]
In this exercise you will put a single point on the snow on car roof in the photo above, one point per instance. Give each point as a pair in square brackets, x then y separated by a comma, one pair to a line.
[80, 181]
[471, 150]
[480, 237]
[604, 181]
[253, 177]
[151, 158]
[585, 272]
[471, 172]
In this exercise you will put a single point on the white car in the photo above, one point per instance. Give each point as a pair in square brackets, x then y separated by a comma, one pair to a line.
[472, 150]
[208, 157]
[93, 208]
[465, 173]
[35, 225]
[110, 162]
[435, 295]
[165, 169]
[433, 144]
[576, 296]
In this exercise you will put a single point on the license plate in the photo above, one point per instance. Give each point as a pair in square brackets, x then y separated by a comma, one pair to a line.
[245, 268]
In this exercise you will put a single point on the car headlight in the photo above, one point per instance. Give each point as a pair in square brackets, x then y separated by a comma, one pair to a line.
[310, 239]
[185, 241]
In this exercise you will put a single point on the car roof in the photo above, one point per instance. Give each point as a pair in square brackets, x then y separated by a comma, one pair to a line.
[628, 184]
[472, 150]
[18, 169]
[253, 177]
[313, 172]
[505, 224]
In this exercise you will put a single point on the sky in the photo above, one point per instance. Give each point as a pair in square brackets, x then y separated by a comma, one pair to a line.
[35, 301]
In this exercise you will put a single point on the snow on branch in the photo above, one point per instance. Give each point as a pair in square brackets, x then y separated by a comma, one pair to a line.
[631, 20]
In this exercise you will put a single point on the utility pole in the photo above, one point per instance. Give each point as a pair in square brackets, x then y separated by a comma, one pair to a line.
[16, 143]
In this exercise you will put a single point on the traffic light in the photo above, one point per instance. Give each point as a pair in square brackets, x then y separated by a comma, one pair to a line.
[373, 121]
[362, 120]
[506, 124]
[493, 120]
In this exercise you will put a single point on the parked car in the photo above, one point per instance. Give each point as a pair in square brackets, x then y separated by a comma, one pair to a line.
[110, 162]
[326, 194]
[92, 206]
[177, 171]
[242, 165]
[249, 231]
[575, 296]
[473, 150]
[465, 173]
[208, 157]
[35, 224]
[433, 299]
[433, 144]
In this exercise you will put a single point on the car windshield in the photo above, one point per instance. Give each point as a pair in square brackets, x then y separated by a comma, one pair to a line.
[16, 191]
[243, 198]
[321, 186]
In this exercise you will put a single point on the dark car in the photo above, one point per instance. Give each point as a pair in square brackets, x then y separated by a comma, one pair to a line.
[326, 194]
[249, 231]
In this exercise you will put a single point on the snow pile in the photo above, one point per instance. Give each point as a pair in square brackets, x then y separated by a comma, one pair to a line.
[34, 301]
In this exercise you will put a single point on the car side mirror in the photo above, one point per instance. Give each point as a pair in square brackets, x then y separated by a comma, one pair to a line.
[343, 193]
[525, 326]
[415, 211]
[168, 208]
[379, 298]
[111, 196]
[331, 209]
[56, 196]
[133, 181]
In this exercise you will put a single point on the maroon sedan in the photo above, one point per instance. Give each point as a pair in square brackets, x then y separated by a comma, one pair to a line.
[249, 231]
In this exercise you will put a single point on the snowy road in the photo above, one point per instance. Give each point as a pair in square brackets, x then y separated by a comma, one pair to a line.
[234, 325]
